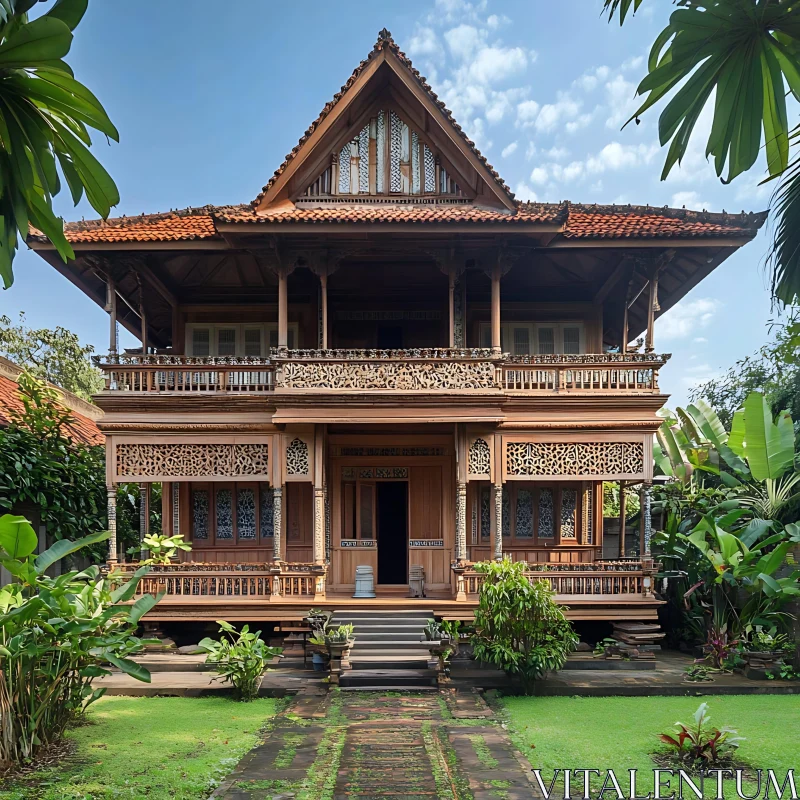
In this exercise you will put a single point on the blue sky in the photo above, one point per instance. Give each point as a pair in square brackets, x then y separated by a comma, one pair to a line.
[208, 102]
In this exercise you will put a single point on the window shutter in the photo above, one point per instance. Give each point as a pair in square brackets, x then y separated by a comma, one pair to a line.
[201, 342]
[572, 339]
[547, 341]
[226, 342]
[522, 342]
[252, 342]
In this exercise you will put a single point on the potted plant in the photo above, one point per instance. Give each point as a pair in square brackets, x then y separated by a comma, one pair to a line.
[433, 631]
[339, 641]
[763, 652]
[319, 652]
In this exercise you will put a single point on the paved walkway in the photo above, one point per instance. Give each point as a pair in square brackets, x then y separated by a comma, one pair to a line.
[364, 745]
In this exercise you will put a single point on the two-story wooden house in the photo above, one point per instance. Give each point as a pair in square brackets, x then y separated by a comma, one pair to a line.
[387, 360]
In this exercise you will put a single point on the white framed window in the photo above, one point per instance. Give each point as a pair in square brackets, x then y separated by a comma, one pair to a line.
[235, 340]
[536, 338]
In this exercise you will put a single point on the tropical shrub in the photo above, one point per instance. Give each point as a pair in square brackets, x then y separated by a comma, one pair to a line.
[339, 635]
[56, 636]
[700, 744]
[240, 658]
[519, 626]
[162, 549]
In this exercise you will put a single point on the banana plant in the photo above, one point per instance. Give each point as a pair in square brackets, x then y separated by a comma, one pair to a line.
[57, 635]
[45, 118]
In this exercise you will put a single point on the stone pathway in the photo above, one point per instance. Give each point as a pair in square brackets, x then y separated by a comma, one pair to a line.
[362, 745]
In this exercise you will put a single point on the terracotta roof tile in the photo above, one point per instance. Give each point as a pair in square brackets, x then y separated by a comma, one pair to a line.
[386, 42]
[81, 428]
[392, 212]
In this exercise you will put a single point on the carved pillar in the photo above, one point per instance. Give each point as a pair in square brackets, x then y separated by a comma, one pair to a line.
[319, 525]
[497, 543]
[652, 307]
[622, 515]
[111, 491]
[646, 496]
[328, 541]
[624, 343]
[459, 312]
[111, 308]
[144, 516]
[283, 309]
[451, 307]
[496, 346]
[277, 522]
[323, 312]
[461, 521]
[176, 508]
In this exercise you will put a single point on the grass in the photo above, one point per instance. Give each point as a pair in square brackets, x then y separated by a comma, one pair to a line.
[161, 747]
[620, 733]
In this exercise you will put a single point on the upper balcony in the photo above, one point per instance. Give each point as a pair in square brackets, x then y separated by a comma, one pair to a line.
[418, 371]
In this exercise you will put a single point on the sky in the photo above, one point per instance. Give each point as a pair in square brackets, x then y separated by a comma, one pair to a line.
[208, 101]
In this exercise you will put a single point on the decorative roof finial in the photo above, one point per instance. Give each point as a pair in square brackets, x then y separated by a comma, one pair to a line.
[384, 35]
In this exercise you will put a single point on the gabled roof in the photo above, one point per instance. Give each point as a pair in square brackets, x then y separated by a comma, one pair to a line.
[575, 222]
[387, 50]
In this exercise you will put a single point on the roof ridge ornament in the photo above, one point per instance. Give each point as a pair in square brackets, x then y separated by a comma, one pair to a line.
[385, 35]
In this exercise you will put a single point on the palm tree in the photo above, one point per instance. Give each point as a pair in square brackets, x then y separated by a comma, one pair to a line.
[45, 117]
[744, 56]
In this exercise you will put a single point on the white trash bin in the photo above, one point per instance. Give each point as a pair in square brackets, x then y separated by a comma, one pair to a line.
[365, 582]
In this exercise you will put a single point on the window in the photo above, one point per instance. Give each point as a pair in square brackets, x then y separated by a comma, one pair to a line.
[231, 513]
[527, 338]
[235, 340]
[358, 510]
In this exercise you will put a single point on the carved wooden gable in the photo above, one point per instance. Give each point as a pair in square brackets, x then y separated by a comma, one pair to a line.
[387, 156]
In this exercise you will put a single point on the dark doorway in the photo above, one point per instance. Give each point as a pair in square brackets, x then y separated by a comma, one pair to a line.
[390, 337]
[392, 532]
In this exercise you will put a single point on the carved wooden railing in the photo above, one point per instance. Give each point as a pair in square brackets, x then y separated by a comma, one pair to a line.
[187, 374]
[612, 579]
[601, 372]
[421, 369]
[247, 581]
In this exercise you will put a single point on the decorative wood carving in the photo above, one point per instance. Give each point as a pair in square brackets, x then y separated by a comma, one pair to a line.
[391, 375]
[461, 522]
[480, 458]
[412, 451]
[544, 459]
[297, 462]
[192, 460]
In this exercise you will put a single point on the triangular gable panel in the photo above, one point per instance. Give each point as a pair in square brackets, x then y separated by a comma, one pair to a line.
[385, 157]
[385, 129]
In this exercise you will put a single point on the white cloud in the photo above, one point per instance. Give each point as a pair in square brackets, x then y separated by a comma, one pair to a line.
[581, 122]
[591, 79]
[494, 21]
[699, 340]
[550, 115]
[423, 43]
[509, 150]
[622, 101]
[530, 151]
[539, 175]
[557, 153]
[616, 156]
[527, 111]
[632, 63]
[463, 41]
[689, 200]
[597, 186]
[492, 64]
[525, 193]
[686, 318]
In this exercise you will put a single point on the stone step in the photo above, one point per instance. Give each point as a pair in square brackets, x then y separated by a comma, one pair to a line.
[387, 678]
[389, 636]
[392, 644]
[382, 615]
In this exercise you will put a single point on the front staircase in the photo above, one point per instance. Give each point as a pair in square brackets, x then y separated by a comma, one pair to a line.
[390, 650]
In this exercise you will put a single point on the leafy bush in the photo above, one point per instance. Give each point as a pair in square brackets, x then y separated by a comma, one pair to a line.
[700, 744]
[519, 625]
[241, 658]
[340, 635]
[162, 549]
[56, 636]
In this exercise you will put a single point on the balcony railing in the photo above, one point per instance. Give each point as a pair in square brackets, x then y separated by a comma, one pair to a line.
[415, 370]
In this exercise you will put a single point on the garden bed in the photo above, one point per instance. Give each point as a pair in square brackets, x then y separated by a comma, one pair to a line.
[577, 732]
[163, 747]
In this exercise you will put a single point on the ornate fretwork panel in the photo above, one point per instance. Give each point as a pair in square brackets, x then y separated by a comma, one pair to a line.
[547, 522]
[246, 513]
[224, 509]
[200, 514]
[569, 505]
[506, 526]
[297, 458]
[267, 512]
[548, 459]
[412, 167]
[339, 450]
[523, 524]
[192, 460]
[391, 375]
[486, 512]
[588, 515]
[176, 508]
[480, 460]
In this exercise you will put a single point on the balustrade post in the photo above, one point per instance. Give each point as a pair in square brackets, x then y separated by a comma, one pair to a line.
[111, 493]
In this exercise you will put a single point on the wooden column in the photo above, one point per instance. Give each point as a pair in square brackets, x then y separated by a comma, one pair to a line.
[652, 305]
[319, 496]
[323, 282]
[497, 542]
[283, 309]
[622, 510]
[496, 309]
[646, 523]
[111, 308]
[277, 522]
[461, 521]
[144, 517]
[624, 344]
[451, 306]
[111, 493]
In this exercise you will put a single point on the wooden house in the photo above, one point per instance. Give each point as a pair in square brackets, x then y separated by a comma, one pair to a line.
[386, 360]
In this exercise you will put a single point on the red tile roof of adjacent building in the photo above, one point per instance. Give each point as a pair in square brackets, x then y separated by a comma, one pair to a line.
[574, 221]
[80, 428]
[385, 42]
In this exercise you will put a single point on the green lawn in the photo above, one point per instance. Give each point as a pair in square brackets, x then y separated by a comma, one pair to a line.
[155, 748]
[619, 733]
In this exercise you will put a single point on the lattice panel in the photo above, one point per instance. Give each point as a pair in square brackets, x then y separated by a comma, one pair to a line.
[363, 160]
[429, 165]
[569, 504]
[389, 375]
[415, 170]
[344, 170]
[523, 524]
[380, 183]
[200, 514]
[246, 514]
[267, 512]
[395, 153]
[547, 521]
[574, 458]
[224, 508]
[297, 458]
[480, 459]
[192, 460]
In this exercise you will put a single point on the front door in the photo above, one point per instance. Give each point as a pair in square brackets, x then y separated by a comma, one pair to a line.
[392, 517]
